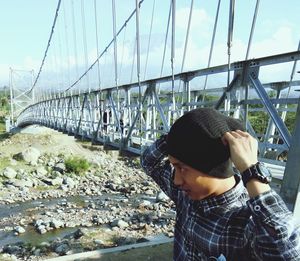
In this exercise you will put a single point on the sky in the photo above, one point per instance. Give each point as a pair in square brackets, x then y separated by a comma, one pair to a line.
[25, 28]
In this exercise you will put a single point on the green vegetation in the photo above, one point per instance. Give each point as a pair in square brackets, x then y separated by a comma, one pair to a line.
[4, 162]
[76, 165]
[259, 119]
[4, 101]
[4, 111]
[4, 257]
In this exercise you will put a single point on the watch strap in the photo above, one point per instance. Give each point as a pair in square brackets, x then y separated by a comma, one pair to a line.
[254, 172]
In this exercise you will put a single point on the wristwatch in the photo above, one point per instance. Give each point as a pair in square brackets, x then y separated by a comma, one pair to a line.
[257, 171]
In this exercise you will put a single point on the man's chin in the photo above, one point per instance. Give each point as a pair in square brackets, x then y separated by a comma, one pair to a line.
[193, 196]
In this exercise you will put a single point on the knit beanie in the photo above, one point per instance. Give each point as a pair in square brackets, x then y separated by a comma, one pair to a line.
[195, 139]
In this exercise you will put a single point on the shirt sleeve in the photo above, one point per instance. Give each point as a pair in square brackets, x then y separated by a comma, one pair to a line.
[155, 164]
[274, 233]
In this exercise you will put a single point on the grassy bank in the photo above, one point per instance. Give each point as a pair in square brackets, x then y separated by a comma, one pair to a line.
[2, 127]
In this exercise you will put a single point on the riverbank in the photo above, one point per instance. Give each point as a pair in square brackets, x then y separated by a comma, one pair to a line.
[48, 211]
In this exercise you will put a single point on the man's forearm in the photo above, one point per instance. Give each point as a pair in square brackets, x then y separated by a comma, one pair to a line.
[255, 188]
[153, 155]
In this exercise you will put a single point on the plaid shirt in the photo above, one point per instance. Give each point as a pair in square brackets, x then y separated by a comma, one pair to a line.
[229, 226]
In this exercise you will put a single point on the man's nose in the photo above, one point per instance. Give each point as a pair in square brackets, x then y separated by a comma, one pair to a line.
[178, 181]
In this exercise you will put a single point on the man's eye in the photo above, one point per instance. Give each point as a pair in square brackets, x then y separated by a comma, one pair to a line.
[178, 168]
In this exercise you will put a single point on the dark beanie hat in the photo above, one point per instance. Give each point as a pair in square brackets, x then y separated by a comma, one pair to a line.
[195, 139]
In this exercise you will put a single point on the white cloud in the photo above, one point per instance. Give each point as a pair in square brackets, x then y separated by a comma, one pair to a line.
[281, 41]
[199, 18]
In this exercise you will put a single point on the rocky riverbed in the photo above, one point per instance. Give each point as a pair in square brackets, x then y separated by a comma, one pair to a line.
[47, 211]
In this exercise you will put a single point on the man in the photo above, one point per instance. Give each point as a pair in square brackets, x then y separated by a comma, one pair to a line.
[220, 215]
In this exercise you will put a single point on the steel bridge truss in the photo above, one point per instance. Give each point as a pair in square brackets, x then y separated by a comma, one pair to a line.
[131, 116]
[20, 97]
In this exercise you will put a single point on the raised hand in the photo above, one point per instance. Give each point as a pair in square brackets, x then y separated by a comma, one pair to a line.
[243, 148]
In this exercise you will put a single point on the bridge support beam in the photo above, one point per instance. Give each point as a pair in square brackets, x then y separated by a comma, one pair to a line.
[290, 188]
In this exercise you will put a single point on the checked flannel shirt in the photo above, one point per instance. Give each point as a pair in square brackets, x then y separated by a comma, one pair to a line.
[228, 227]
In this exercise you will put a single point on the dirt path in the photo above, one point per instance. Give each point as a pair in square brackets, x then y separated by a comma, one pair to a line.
[45, 140]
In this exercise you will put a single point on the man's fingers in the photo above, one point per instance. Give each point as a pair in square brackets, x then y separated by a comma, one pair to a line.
[235, 134]
[228, 137]
[231, 136]
[243, 133]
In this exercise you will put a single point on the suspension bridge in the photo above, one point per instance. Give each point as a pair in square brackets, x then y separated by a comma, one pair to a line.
[118, 99]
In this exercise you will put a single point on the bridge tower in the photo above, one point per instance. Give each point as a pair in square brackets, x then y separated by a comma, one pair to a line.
[20, 83]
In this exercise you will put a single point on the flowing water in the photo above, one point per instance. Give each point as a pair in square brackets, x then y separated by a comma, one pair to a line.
[31, 235]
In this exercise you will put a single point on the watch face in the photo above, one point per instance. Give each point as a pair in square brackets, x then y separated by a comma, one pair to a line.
[264, 171]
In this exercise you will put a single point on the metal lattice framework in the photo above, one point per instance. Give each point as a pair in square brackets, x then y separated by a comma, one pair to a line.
[103, 117]
[95, 115]
[20, 83]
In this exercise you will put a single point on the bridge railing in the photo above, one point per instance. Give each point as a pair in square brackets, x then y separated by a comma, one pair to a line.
[131, 116]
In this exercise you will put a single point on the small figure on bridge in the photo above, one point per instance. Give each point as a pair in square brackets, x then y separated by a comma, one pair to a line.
[106, 119]
[221, 214]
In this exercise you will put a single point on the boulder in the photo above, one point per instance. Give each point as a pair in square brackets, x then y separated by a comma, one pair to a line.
[62, 249]
[57, 181]
[78, 234]
[9, 173]
[41, 229]
[162, 197]
[22, 183]
[60, 167]
[69, 182]
[19, 229]
[119, 223]
[56, 223]
[41, 171]
[29, 155]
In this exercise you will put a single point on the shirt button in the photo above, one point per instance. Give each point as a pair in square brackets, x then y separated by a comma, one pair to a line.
[256, 208]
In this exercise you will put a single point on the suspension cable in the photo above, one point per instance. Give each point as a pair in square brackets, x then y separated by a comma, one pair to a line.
[106, 48]
[229, 39]
[138, 65]
[165, 45]
[97, 46]
[133, 60]
[56, 67]
[85, 43]
[99, 101]
[60, 60]
[74, 38]
[173, 51]
[150, 33]
[186, 42]
[115, 52]
[252, 28]
[212, 45]
[292, 74]
[67, 43]
[246, 58]
[187, 35]
[48, 45]
[122, 56]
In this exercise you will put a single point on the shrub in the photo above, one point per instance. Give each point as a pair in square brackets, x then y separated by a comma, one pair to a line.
[76, 164]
